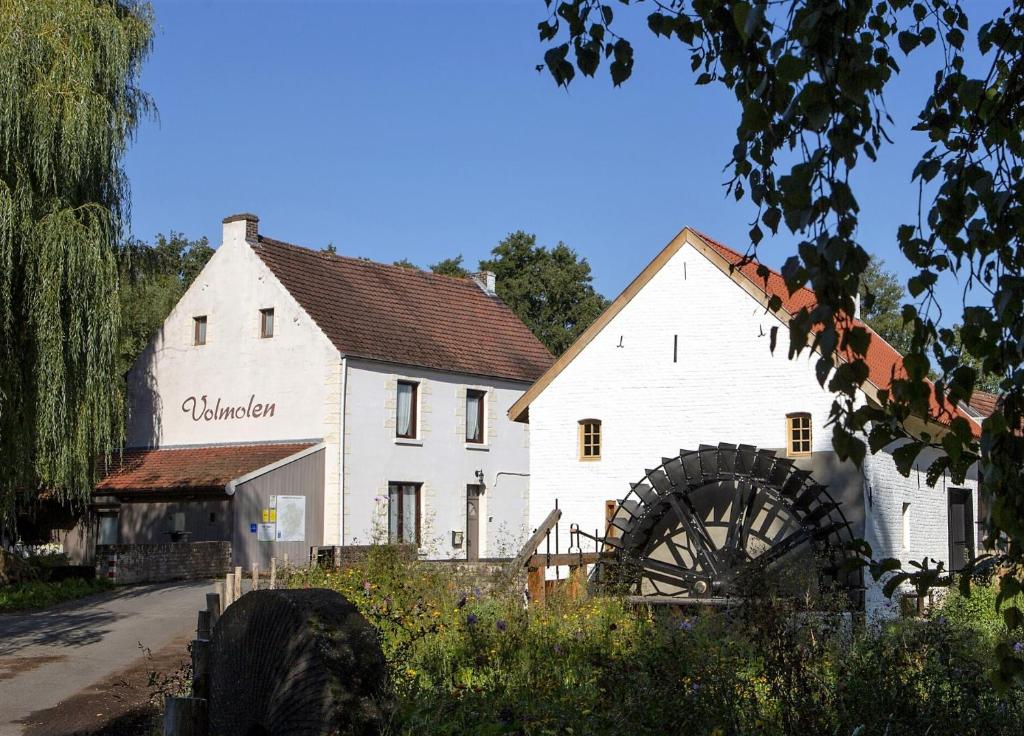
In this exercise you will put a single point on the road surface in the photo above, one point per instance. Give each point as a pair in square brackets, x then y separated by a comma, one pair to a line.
[48, 656]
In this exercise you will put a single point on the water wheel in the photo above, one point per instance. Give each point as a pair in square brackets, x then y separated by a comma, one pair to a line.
[707, 524]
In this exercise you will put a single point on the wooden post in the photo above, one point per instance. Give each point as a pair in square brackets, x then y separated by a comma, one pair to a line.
[203, 625]
[535, 584]
[314, 556]
[286, 560]
[255, 576]
[574, 583]
[273, 572]
[336, 553]
[185, 717]
[229, 589]
[201, 668]
[213, 606]
[237, 593]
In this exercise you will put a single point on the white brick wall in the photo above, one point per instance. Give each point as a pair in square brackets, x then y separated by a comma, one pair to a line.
[725, 387]
[885, 493]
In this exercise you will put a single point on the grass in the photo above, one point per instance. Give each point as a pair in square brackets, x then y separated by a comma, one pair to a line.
[37, 594]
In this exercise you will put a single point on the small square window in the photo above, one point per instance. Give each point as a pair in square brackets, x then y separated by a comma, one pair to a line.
[798, 434]
[590, 439]
[405, 415]
[267, 322]
[199, 330]
[475, 416]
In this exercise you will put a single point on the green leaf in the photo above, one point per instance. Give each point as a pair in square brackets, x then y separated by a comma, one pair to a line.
[908, 41]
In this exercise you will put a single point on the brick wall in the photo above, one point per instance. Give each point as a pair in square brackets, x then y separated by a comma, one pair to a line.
[153, 563]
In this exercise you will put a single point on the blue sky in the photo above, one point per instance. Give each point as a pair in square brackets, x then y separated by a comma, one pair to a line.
[421, 130]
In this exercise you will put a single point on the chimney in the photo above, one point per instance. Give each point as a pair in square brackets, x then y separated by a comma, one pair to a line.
[856, 306]
[243, 226]
[486, 281]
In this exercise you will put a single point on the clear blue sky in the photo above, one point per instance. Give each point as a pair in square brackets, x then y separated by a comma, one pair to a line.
[421, 130]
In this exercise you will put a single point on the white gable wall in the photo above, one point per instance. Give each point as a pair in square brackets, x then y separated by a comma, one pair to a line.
[174, 387]
[725, 387]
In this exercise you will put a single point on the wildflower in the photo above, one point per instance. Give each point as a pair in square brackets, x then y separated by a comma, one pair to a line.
[366, 587]
[500, 625]
[558, 649]
[685, 625]
[471, 619]
[462, 602]
[1018, 647]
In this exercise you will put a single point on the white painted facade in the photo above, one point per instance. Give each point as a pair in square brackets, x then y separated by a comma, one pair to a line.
[296, 385]
[724, 385]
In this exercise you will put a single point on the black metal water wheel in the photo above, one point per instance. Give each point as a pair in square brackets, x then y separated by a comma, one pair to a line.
[707, 523]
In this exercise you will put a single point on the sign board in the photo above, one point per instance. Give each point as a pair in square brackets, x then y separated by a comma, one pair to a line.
[265, 533]
[252, 528]
[291, 518]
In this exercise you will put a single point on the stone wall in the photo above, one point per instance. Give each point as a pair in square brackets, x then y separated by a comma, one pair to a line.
[153, 563]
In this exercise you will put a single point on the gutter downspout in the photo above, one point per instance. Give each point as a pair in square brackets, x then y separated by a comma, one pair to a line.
[341, 450]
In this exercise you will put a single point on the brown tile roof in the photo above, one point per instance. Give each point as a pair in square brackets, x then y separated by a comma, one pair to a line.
[195, 469]
[401, 315]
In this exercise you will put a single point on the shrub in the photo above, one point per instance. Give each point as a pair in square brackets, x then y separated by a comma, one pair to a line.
[469, 661]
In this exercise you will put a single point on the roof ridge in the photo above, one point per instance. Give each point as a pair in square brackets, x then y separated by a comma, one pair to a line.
[751, 259]
[367, 262]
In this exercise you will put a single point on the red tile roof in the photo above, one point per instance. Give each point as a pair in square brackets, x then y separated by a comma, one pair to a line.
[195, 469]
[983, 402]
[884, 362]
[402, 315]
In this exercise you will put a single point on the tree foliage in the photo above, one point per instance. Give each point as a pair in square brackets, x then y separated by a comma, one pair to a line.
[882, 296]
[549, 289]
[450, 267]
[69, 105]
[809, 78]
[152, 278]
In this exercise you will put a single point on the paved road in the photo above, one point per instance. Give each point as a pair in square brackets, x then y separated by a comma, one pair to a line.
[48, 656]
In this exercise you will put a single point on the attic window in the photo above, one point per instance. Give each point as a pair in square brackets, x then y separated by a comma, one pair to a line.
[199, 330]
[267, 322]
[590, 439]
[798, 434]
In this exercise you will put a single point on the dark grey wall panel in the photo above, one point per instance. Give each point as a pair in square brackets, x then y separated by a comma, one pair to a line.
[302, 477]
[147, 522]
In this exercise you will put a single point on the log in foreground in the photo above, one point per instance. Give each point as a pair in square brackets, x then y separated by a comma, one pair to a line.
[296, 663]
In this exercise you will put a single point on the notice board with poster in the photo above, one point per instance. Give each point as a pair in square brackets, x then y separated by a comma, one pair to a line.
[291, 518]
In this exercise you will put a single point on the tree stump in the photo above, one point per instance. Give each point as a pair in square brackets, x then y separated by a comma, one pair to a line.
[296, 663]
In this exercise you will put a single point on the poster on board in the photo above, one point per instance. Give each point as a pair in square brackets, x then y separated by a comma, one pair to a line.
[291, 518]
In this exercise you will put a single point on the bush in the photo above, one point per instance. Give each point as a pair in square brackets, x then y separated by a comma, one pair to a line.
[468, 661]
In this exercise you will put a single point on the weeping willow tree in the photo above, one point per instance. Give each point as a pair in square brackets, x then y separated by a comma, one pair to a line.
[69, 106]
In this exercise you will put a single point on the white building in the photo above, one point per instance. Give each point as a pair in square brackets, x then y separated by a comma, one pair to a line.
[378, 394]
[681, 359]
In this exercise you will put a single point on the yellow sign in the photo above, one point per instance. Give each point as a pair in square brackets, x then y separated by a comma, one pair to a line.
[273, 515]
[266, 515]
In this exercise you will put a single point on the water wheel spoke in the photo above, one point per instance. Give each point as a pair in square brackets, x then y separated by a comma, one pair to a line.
[674, 572]
[696, 534]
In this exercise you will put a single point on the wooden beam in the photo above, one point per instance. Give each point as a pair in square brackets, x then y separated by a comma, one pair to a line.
[533, 543]
[566, 558]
